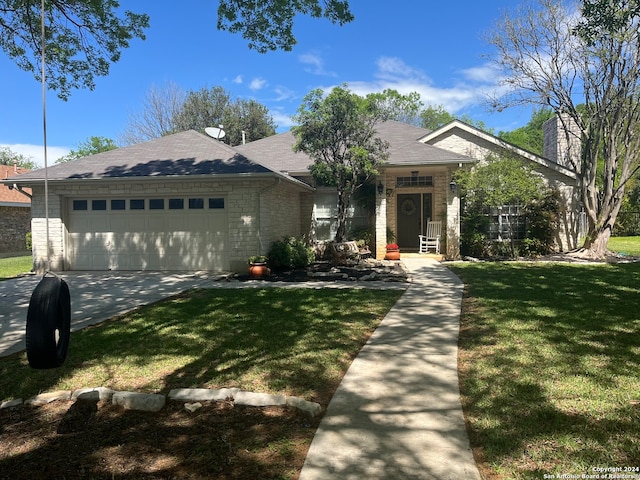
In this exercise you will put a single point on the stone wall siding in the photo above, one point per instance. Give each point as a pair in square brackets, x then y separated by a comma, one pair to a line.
[14, 226]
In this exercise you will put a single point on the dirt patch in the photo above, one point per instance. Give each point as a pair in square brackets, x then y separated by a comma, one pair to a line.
[88, 440]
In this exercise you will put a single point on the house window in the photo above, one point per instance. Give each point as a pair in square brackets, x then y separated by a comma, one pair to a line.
[196, 203]
[98, 204]
[215, 203]
[505, 223]
[136, 204]
[118, 204]
[414, 181]
[156, 204]
[326, 215]
[176, 203]
[80, 204]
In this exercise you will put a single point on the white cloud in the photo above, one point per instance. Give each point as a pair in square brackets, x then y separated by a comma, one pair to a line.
[284, 93]
[238, 79]
[257, 84]
[467, 91]
[36, 152]
[315, 64]
[283, 120]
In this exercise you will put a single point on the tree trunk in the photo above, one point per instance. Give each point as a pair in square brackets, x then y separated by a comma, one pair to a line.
[343, 207]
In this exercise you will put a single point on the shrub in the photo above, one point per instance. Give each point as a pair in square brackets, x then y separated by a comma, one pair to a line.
[28, 241]
[290, 252]
[363, 236]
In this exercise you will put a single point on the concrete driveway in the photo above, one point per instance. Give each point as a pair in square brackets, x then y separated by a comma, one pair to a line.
[95, 297]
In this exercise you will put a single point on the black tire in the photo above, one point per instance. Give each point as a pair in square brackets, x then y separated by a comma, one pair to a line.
[48, 324]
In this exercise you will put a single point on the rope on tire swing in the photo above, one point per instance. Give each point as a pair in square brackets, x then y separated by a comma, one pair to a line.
[49, 314]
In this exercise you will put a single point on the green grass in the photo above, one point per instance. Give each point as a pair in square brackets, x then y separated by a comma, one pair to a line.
[549, 367]
[625, 245]
[13, 266]
[291, 341]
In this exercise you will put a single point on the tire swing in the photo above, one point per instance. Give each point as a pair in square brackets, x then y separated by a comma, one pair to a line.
[48, 323]
[49, 314]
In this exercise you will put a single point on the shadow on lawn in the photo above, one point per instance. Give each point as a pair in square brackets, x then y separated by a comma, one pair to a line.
[280, 340]
[550, 366]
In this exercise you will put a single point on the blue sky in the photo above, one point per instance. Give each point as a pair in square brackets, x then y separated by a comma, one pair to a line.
[433, 48]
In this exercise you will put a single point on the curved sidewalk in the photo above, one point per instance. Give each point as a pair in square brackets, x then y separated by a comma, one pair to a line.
[397, 411]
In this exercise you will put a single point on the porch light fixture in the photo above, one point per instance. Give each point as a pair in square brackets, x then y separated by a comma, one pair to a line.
[453, 186]
[380, 188]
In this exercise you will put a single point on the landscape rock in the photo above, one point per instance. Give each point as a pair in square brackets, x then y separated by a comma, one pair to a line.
[258, 399]
[192, 407]
[11, 403]
[202, 394]
[44, 398]
[102, 394]
[310, 408]
[146, 402]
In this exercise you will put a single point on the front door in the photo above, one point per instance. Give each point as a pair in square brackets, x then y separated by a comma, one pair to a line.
[414, 210]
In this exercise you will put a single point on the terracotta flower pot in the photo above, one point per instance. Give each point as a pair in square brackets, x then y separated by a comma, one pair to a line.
[392, 254]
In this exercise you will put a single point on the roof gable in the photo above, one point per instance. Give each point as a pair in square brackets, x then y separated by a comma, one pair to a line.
[486, 141]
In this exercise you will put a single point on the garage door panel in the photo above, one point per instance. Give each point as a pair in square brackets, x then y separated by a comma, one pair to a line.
[148, 240]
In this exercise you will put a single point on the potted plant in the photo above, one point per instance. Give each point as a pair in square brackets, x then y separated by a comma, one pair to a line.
[258, 266]
[393, 252]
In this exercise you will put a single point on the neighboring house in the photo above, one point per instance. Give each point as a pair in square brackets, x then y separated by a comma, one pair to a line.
[15, 212]
[189, 202]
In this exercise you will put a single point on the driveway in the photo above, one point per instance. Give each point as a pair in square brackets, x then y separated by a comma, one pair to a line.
[95, 297]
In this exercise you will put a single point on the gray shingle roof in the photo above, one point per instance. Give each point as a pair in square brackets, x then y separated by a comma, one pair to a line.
[276, 152]
[181, 154]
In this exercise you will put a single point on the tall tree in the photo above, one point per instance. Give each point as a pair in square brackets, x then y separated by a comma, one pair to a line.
[338, 133]
[268, 25]
[90, 146]
[530, 137]
[250, 117]
[82, 39]
[169, 110]
[157, 118]
[434, 117]
[554, 58]
[392, 105]
[9, 157]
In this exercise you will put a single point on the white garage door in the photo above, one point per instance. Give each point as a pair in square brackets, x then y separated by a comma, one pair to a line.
[170, 233]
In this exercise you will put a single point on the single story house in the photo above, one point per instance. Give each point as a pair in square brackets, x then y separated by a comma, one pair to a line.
[15, 212]
[189, 202]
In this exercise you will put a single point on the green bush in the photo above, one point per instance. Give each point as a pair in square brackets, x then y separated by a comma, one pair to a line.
[290, 252]
[363, 236]
[28, 242]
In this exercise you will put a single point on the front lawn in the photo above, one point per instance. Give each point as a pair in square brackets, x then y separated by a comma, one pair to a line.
[625, 245]
[550, 367]
[297, 342]
[13, 266]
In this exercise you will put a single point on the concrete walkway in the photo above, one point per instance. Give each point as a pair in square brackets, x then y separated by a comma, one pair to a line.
[397, 412]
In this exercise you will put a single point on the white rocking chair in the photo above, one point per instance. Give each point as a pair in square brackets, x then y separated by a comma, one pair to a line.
[432, 238]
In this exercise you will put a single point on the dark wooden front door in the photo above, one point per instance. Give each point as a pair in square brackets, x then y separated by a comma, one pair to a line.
[413, 212]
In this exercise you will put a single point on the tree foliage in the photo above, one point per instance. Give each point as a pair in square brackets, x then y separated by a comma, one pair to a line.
[90, 146]
[529, 137]
[338, 133]
[167, 110]
[496, 182]
[553, 58]
[393, 105]
[268, 25]
[9, 157]
[82, 39]
[434, 117]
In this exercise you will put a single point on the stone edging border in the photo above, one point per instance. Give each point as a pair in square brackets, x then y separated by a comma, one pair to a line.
[153, 402]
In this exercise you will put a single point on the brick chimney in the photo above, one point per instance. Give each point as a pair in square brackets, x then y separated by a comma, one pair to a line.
[557, 145]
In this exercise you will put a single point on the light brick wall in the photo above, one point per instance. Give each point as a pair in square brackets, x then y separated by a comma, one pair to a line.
[15, 223]
[278, 212]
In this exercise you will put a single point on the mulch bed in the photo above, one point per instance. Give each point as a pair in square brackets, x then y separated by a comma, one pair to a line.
[88, 440]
